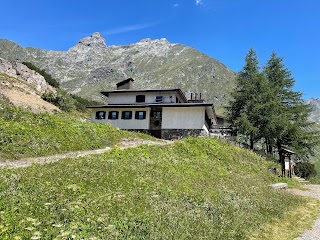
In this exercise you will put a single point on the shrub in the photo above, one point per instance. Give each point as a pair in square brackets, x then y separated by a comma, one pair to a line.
[305, 170]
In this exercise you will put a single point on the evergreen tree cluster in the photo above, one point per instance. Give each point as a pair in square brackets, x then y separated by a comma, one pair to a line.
[265, 108]
[62, 99]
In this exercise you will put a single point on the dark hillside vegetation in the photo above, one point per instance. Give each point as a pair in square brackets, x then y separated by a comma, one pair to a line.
[192, 189]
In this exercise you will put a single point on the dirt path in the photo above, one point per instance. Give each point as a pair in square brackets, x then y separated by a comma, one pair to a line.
[314, 192]
[126, 143]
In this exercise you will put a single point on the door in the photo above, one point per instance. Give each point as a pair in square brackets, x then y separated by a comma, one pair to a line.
[156, 121]
[156, 133]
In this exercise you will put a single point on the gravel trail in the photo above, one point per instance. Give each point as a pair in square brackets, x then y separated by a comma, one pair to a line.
[314, 192]
[126, 143]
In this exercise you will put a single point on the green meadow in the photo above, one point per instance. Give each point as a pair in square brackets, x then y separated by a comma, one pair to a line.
[193, 189]
[196, 188]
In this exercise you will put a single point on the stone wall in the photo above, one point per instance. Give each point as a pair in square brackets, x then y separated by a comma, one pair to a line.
[174, 134]
[145, 131]
[171, 134]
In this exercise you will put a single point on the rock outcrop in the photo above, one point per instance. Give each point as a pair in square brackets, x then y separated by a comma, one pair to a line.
[315, 109]
[23, 87]
[20, 71]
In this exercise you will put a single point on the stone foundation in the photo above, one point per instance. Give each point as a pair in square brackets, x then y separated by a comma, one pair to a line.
[145, 131]
[174, 134]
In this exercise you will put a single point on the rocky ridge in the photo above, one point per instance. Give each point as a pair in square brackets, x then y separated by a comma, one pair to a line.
[91, 66]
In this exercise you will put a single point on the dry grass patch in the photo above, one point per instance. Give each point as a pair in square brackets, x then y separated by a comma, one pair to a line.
[291, 224]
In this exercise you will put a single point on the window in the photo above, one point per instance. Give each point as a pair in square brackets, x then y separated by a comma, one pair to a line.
[140, 98]
[159, 99]
[157, 114]
[140, 114]
[101, 115]
[126, 115]
[113, 115]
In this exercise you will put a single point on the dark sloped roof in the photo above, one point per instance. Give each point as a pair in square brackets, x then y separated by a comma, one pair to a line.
[119, 84]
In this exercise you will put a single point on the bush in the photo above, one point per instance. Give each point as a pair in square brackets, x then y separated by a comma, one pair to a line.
[305, 170]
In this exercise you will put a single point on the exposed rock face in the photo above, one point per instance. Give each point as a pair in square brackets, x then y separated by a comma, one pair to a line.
[315, 109]
[19, 70]
[23, 87]
[95, 42]
[91, 66]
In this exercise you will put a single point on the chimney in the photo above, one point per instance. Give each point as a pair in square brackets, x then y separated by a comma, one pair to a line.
[126, 84]
[196, 98]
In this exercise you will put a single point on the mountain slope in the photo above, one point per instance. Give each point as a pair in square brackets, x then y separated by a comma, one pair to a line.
[91, 66]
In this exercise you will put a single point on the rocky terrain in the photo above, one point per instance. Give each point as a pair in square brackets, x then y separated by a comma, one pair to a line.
[315, 109]
[23, 87]
[91, 66]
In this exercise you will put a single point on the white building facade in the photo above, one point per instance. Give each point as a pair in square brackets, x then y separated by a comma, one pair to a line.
[162, 113]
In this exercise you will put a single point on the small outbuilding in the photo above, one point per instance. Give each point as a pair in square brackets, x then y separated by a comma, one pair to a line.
[286, 161]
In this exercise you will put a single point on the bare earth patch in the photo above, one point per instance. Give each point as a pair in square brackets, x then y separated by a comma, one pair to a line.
[35, 103]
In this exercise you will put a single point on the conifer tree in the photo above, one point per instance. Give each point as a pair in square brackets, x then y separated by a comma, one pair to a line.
[288, 124]
[245, 108]
[265, 106]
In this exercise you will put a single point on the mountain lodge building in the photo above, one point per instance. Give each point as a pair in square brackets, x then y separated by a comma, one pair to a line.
[162, 113]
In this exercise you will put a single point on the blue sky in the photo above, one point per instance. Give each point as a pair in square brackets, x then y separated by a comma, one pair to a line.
[223, 29]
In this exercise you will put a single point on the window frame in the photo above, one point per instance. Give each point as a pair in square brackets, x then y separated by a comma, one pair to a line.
[123, 115]
[140, 98]
[103, 115]
[137, 115]
[111, 117]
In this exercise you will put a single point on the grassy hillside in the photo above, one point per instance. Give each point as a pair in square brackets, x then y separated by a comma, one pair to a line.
[193, 189]
[27, 134]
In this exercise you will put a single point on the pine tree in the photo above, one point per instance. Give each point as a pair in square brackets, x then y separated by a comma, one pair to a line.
[265, 107]
[288, 125]
[245, 111]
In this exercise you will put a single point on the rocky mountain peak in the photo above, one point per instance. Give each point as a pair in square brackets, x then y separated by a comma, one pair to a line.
[95, 41]
[156, 41]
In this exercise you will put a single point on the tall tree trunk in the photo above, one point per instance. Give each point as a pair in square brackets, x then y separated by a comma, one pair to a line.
[281, 158]
[269, 146]
[251, 143]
